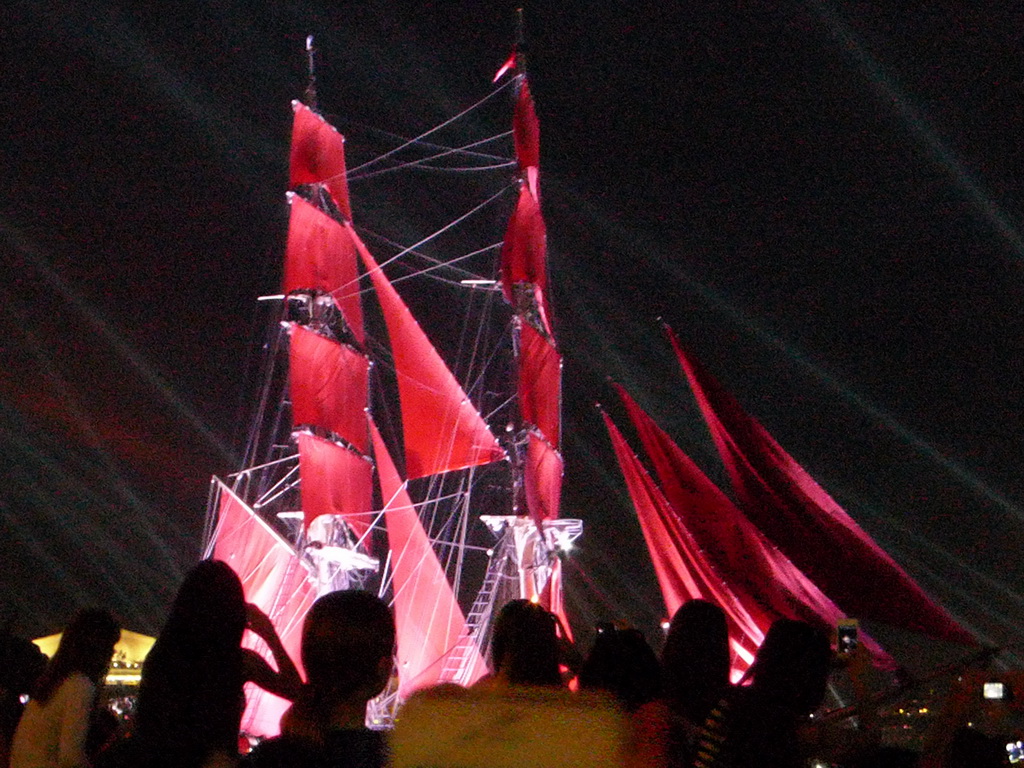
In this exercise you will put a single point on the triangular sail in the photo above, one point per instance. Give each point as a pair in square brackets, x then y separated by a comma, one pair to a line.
[760, 577]
[320, 256]
[443, 430]
[328, 385]
[318, 156]
[273, 579]
[683, 573]
[335, 481]
[428, 619]
[806, 524]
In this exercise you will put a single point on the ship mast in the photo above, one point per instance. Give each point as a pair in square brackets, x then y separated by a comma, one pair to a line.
[531, 537]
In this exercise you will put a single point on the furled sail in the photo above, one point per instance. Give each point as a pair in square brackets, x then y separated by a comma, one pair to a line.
[806, 524]
[428, 619]
[273, 579]
[760, 577]
[318, 156]
[542, 478]
[328, 385]
[540, 383]
[443, 430]
[335, 481]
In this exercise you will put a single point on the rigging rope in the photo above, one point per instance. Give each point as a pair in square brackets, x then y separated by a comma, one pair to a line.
[423, 161]
[436, 128]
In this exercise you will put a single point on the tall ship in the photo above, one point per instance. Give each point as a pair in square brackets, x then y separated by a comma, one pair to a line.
[381, 455]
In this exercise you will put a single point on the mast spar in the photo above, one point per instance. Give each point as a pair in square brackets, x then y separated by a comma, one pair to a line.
[310, 97]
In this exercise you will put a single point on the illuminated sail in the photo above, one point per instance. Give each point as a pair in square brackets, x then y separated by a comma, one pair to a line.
[443, 430]
[806, 524]
[328, 385]
[757, 575]
[428, 619]
[321, 256]
[275, 580]
[318, 156]
[335, 481]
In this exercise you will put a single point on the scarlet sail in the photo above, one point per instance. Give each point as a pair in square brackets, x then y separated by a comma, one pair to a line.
[428, 619]
[540, 383]
[542, 478]
[683, 573]
[758, 576]
[321, 256]
[526, 134]
[328, 385]
[806, 524]
[273, 579]
[443, 430]
[318, 156]
[335, 481]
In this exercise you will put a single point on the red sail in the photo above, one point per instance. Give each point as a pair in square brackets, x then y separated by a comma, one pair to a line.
[335, 481]
[318, 156]
[320, 255]
[760, 577]
[428, 619]
[540, 383]
[807, 525]
[328, 385]
[542, 478]
[526, 134]
[682, 571]
[524, 252]
[443, 431]
[275, 580]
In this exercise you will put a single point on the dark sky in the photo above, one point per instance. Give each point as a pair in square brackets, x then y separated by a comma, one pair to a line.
[824, 200]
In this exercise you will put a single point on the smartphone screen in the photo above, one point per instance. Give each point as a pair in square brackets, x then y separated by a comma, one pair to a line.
[846, 635]
[993, 691]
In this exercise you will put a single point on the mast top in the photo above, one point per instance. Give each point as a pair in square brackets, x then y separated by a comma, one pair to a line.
[310, 96]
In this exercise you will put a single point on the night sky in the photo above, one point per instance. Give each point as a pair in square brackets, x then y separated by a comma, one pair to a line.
[825, 201]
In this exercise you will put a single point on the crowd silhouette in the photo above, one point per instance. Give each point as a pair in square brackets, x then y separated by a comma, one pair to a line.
[620, 700]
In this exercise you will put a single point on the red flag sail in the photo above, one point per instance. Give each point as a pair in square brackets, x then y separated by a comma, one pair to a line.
[757, 574]
[682, 571]
[320, 255]
[318, 156]
[273, 579]
[428, 619]
[443, 430]
[806, 524]
[335, 481]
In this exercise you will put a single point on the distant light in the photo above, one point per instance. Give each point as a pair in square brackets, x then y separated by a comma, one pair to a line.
[535, 599]
[490, 553]
[565, 546]
[665, 624]
[23, 698]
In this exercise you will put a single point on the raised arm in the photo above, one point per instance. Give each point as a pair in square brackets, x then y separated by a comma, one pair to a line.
[285, 682]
